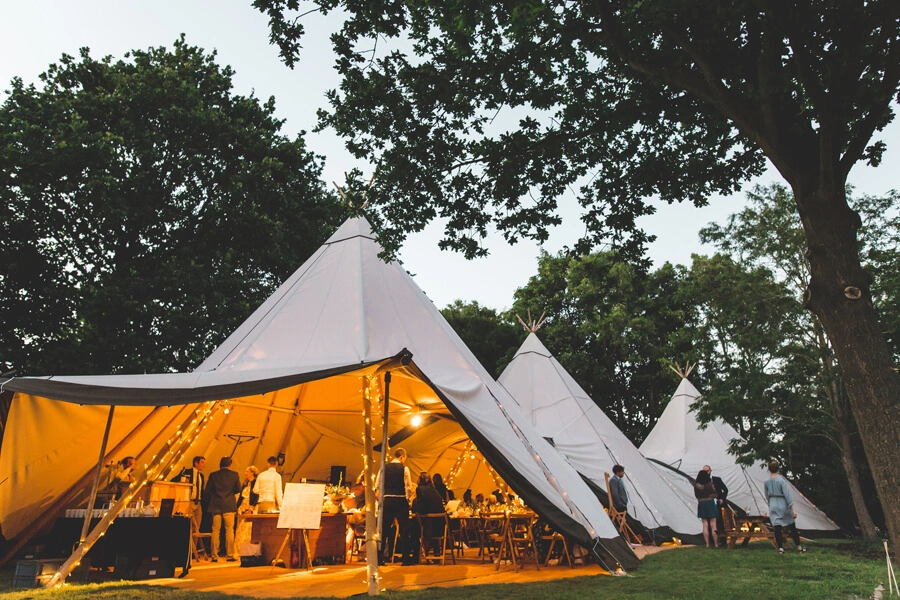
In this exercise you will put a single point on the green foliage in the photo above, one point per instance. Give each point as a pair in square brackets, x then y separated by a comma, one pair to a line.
[145, 211]
[491, 338]
[613, 327]
[799, 390]
[488, 114]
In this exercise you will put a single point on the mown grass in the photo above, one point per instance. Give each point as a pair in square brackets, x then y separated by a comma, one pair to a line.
[830, 570]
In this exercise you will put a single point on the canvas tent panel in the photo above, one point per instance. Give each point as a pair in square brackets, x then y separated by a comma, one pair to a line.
[347, 311]
[677, 440]
[590, 441]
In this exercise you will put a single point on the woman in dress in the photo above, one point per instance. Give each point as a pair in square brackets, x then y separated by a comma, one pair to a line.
[247, 500]
[705, 492]
[781, 507]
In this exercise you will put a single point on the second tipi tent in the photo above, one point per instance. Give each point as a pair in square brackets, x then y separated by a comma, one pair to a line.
[562, 412]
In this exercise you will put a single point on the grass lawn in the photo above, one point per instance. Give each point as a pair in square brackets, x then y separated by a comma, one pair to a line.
[832, 569]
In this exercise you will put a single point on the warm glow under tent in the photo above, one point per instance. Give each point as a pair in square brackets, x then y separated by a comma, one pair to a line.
[561, 411]
[678, 442]
[294, 376]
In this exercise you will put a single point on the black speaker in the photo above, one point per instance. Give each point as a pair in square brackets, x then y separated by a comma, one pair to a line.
[338, 475]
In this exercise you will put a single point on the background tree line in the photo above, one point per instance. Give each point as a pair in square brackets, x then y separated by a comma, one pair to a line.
[146, 211]
[765, 365]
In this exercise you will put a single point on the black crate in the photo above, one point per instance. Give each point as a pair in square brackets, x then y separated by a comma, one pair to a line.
[147, 568]
[35, 573]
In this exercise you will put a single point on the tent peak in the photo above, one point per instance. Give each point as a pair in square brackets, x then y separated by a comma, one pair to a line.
[352, 228]
[532, 326]
[683, 373]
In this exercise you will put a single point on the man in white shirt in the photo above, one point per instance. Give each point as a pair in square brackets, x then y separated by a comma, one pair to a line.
[269, 488]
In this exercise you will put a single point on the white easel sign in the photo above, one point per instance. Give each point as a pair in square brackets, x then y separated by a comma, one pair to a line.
[301, 507]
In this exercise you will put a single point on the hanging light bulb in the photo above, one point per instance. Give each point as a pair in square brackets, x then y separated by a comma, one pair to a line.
[416, 420]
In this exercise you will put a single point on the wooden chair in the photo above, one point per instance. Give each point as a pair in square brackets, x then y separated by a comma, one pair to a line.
[494, 536]
[394, 552]
[521, 540]
[619, 519]
[358, 543]
[553, 539]
[730, 532]
[198, 547]
[434, 533]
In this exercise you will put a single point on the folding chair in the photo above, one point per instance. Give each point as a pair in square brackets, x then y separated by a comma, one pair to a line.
[554, 538]
[619, 519]
[521, 539]
[434, 533]
[198, 547]
[495, 538]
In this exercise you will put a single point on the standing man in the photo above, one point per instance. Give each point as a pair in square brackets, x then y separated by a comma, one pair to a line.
[269, 488]
[395, 505]
[721, 496]
[194, 476]
[721, 488]
[617, 489]
[221, 491]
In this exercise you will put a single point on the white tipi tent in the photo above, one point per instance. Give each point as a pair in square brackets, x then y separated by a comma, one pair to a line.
[677, 441]
[295, 376]
[561, 411]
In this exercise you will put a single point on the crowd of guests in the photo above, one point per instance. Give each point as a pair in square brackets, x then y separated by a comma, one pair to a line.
[227, 499]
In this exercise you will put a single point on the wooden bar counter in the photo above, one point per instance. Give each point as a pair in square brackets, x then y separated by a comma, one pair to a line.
[328, 543]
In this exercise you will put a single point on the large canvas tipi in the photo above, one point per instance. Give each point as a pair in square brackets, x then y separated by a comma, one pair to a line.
[561, 411]
[678, 442]
[294, 381]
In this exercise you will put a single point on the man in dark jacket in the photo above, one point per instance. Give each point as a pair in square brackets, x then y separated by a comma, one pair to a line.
[617, 489]
[721, 495]
[222, 489]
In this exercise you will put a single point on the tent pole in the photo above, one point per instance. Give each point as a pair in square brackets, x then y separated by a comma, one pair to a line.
[90, 507]
[384, 451]
[50, 513]
[190, 428]
[371, 524]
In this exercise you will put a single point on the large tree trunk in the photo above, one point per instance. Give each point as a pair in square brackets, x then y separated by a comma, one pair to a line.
[839, 295]
[866, 526]
[840, 412]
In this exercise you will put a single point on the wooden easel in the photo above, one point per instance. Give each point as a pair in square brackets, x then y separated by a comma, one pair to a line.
[287, 539]
[619, 518]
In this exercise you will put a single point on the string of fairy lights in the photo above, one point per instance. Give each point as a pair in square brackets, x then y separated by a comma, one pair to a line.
[470, 453]
[158, 467]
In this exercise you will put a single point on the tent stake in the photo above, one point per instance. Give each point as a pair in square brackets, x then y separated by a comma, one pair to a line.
[90, 507]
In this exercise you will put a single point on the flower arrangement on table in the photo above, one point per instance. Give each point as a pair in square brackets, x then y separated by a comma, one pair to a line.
[336, 491]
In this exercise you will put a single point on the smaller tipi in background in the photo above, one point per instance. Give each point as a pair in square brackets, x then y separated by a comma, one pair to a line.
[681, 446]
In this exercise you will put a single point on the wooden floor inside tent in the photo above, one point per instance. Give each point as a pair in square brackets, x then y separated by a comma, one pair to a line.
[341, 581]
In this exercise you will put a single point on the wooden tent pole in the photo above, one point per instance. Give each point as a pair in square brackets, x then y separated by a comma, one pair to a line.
[384, 451]
[171, 452]
[93, 497]
[371, 523]
[50, 512]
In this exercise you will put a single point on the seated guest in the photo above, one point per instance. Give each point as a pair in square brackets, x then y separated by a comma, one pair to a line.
[427, 502]
[467, 498]
[438, 482]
